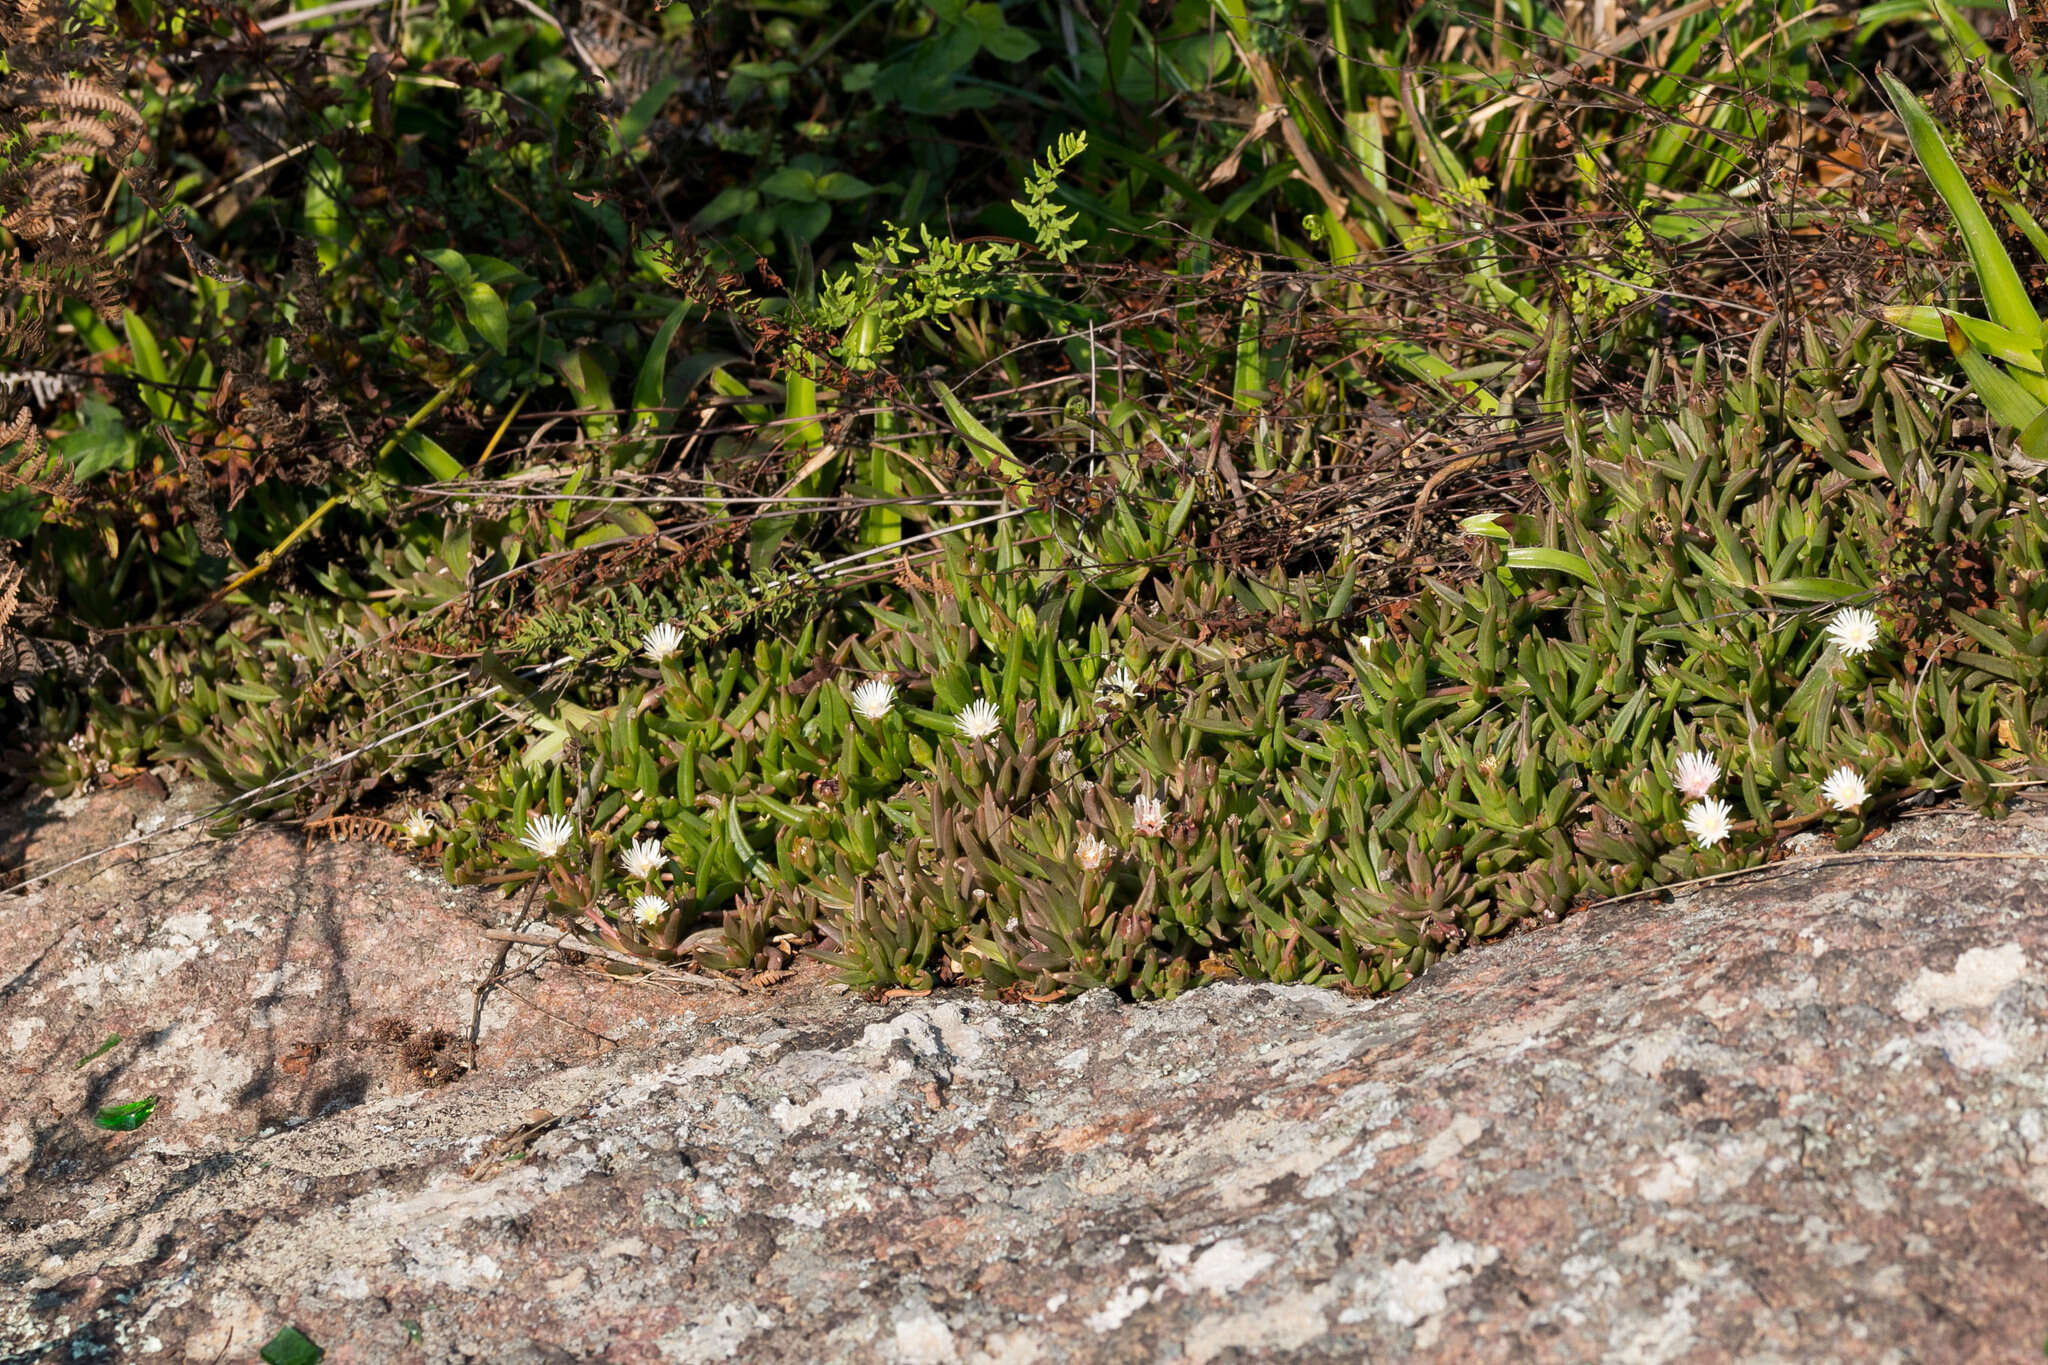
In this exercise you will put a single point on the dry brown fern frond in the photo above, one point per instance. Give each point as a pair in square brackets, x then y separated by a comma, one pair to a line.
[77, 126]
[343, 829]
[76, 93]
[55, 145]
[11, 576]
[59, 117]
[64, 269]
[21, 427]
[33, 466]
[25, 658]
[33, 23]
[23, 330]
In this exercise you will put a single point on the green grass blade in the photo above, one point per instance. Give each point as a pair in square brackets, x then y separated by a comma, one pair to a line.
[2023, 220]
[2004, 294]
[982, 440]
[2003, 397]
[1926, 321]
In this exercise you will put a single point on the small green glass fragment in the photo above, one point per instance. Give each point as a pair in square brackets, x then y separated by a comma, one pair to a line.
[125, 1118]
[113, 1041]
[290, 1347]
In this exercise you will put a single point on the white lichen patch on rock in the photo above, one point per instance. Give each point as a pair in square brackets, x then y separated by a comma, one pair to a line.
[923, 1338]
[1289, 1322]
[1117, 1311]
[1409, 1291]
[214, 1077]
[1222, 1269]
[831, 1194]
[1980, 976]
[173, 942]
[843, 1100]
[1461, 1132]
[717, 1336]
[1009, 1348]
[1689, 1170]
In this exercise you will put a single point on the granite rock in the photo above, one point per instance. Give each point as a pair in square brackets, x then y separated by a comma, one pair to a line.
[1800, 1117]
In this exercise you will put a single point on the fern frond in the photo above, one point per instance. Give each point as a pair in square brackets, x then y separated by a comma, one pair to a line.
[74, 93]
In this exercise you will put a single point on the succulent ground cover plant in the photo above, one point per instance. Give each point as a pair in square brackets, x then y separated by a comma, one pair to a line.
[1006, 523]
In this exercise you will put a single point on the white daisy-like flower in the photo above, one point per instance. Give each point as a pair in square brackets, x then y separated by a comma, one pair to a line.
[980, 720]
[548, 835]
[643, 858]
[1117, 686]
[1091, 853]
[1845, 790]
[649, 910]
[1854, 631]
[873, 698]
[1148, 816]
[1695, 775]
[419, 827]
[1707, 822]
[664, 642]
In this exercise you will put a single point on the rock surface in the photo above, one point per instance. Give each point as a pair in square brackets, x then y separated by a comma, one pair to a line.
[1801, 1117]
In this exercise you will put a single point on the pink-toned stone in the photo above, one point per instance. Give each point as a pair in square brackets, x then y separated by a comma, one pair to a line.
[1801, 1118]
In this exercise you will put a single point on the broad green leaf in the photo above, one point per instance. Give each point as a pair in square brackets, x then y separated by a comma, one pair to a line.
[633, 124]
[1009, 44]
[149, 366]
[629, 519]
[728, 203]
[791, 183]
[840, 185]
[559, 512]
[1505, 527]
[21, 512]
[490, 270]
[480, 302]
[586, 379]
[602, 531]
[543, 751]
[1248, 384]
[149, 357]
[732, 386]
[803, 222]
[800, 428]
[882, 525]
[451, 263]
[320, 214]
[101, 442]
[431, 457]
[486, 312]
[648, 388]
